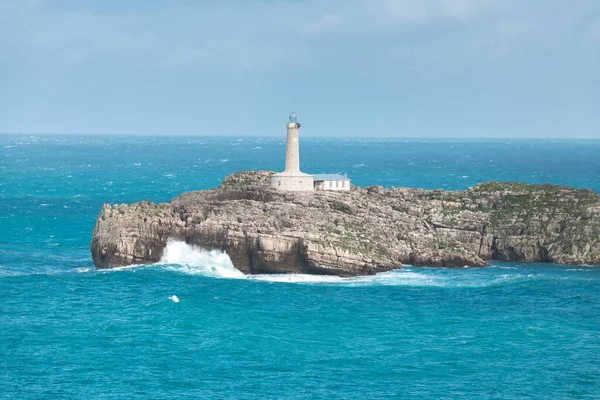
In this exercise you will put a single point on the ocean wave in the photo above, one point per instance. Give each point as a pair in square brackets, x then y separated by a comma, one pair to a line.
[182, 257]
[41, 272]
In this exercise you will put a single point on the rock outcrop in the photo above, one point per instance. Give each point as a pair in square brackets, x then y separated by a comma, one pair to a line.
[363, 231]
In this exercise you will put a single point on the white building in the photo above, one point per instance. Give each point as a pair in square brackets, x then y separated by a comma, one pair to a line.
[331, 182]
[293, 179]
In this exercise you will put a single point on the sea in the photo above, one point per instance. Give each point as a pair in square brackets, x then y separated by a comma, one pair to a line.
[194, 327]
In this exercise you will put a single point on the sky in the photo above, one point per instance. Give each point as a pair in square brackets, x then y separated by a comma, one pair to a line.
[359, 68]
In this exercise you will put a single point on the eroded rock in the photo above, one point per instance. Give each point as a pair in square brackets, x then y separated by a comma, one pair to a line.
[363, 231]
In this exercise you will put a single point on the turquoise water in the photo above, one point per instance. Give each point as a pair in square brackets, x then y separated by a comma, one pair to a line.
[66, 331]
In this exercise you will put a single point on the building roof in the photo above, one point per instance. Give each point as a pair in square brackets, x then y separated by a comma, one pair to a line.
[329, 177]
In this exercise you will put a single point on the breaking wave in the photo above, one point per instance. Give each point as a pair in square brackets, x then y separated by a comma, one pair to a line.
[182, 257]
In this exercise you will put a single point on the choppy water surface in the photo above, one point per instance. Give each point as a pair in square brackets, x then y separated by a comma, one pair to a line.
[193, 326]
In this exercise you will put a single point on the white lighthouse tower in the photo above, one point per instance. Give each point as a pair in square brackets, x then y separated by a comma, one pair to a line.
[292, 179]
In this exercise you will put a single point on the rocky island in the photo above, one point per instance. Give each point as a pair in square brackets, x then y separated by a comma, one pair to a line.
[357, 232]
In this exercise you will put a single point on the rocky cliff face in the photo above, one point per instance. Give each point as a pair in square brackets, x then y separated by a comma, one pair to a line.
[360, 232]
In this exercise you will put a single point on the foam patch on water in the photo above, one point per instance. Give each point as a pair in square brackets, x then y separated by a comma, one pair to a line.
[401, 277]
[407, 276]
[297, 278]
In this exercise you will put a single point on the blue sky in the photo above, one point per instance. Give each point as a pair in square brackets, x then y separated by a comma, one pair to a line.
[370, 68]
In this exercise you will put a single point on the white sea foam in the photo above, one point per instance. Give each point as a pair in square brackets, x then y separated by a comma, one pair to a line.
[180, 256]
[129, 268]
[407, 276]
[297, 278]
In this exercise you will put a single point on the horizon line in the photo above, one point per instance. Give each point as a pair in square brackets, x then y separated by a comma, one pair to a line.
[242, 136]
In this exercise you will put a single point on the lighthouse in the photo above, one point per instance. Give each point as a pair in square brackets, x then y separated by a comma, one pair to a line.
[292, 151]
[292, 178]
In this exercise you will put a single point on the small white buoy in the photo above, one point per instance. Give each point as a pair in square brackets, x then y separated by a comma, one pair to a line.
[174, 298]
